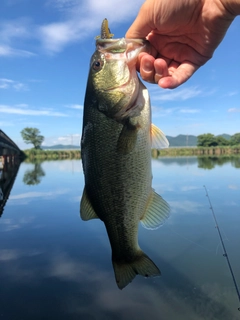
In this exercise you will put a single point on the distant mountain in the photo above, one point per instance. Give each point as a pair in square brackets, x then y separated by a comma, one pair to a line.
[61, 147]
[182, 140]
[225, 135]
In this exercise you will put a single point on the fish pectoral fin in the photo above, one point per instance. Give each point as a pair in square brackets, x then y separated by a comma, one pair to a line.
[159, 140]
[86, 210]
[157, 212]
[125, 272]
[127, 138]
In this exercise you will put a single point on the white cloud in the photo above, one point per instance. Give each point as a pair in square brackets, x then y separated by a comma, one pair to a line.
[162, 112]
[7, 51]
[185, 206]
[189, 110]
[233, 187]
[234, 110]
[56, 35]
[21, 105]
[73, 139]
[75, 106]
[14, 254]
[30, 112]
[75, 20]
[29, 195]
[69, 139]
[177, 94]
[232, 93]
[12, 30]
[6, 124]
[11, 84]
[63, 4]
[7, 255]
[189, 188]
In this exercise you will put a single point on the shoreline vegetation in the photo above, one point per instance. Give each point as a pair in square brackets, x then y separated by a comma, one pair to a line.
[39, 154]
[196, 151]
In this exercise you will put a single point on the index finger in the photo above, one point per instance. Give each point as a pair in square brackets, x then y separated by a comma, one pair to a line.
[178, 76]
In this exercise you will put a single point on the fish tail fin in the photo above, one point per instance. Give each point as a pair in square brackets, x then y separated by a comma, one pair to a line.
[125, 272]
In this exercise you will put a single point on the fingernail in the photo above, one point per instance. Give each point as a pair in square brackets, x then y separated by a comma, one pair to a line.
[147, 66]
[158, 75]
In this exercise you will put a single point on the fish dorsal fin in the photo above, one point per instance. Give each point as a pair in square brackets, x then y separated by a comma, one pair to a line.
[86, 210]
[157, 212]
[159, 140]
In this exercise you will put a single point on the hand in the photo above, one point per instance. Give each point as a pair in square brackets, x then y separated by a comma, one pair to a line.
[183, 35]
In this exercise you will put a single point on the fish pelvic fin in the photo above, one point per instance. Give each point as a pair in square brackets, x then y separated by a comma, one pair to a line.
[157, 212]
[125, 272]
[159, 140]
[86, 210]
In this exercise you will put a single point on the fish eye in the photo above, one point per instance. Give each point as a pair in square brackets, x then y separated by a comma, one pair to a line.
[97, 65]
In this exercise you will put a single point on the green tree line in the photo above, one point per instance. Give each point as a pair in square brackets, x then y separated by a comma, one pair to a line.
[210, 140]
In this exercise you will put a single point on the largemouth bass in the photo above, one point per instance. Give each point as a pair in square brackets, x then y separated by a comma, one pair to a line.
[116, 154]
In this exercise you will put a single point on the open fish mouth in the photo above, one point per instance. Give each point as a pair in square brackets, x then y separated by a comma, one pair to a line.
[128, 48]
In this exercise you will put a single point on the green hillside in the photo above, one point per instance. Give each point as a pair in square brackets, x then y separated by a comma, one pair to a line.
[182, 140]
[225, 136]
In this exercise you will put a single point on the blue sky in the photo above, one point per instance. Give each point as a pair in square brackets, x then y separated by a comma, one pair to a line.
[45, 49]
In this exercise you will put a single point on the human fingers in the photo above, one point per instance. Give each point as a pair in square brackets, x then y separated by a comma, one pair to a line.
[146, 67]
[167, 73]
[177, 75]
[151, 69]
[161, 69]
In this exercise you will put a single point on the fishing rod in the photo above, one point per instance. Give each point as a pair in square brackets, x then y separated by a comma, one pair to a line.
[223, 246]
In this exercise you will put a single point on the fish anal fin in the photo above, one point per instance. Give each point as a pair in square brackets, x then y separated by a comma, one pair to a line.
[127, 138]
[125, 272]
[157, 212]
[159, 140]
[86, 210]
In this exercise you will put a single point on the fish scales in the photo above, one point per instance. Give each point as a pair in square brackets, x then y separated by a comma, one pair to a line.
[116, 156]
[123, 181]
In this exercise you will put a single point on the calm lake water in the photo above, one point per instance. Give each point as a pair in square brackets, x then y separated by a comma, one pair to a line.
[55, 266]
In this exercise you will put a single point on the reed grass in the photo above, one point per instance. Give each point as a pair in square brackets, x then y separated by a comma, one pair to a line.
[38, 154]
[196, 151]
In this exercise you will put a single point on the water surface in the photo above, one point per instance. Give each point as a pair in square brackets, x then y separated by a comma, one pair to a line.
[55, 266]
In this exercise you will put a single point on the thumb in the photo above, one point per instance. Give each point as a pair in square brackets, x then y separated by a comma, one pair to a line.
[142, 25]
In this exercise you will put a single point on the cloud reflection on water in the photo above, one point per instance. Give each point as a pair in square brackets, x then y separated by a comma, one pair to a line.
[63, 269]
[85, 288]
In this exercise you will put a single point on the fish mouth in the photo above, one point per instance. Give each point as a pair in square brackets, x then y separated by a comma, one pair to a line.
[131, 47]
[123, 48]
[134, 47]
[128, 50]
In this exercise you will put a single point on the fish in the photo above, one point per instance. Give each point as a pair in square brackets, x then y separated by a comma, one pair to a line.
[116, 142]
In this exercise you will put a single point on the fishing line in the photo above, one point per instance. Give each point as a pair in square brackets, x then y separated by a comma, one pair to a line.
[189, 240]
[223, 246]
